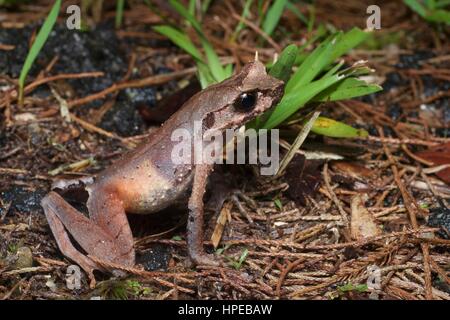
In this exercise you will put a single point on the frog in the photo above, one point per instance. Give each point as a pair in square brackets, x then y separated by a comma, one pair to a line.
[146, 180]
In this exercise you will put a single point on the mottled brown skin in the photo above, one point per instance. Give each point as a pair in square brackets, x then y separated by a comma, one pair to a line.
[146, 180]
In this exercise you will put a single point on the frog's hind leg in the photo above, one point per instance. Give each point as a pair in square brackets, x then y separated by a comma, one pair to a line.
[107, 211]
[93, 238]
[49, 203]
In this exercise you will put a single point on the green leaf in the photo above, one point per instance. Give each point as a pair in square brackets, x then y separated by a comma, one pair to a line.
[280, 70]
[347, 89]
[439, 15]
[222, 250]
[312, 65]
[245, 12]
[430, 10]
[204, 76]
[291, 7]
[242, 258]
[273, 16]
[217, 71]
[332, 128]
[348, 41]
[351, 287]
[41, 38]
[205, 5]
[187, 15]
[312, 17]
[229, 70]
[278, 203]
[119, 12]
[334, 70]
[191, 7]
[416, 6]
[293, 101]
[283, 67]
[181, 40]
[213, 60]
[442, 4]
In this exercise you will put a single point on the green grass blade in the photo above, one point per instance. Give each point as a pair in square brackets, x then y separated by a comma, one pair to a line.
[312, 65]
[430, 4]
[283, 67]
[192, 7]
[293, 101]
[291, 7]
[442, 4]
[273, 16]
[41, 38]
[204, 76]
[181, 40]
[213, 60]
[187, 15]
[328, 51]
[348, 41]
[214, 64]
[205, 5]
[245, 12]
[439, 15]
[280, 70]
[334, 69]
[332, 128]
[119, 13]
[229, 70]
[312, 17]
[347, 89]
[417, 7]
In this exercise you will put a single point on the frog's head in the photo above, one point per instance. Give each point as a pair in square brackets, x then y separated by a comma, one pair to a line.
[239, 99]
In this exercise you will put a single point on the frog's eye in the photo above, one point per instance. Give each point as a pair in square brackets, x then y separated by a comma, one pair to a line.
[246, 101]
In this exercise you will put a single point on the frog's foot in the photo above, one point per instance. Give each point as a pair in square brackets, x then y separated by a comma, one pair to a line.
[66, 246]
[95, 239]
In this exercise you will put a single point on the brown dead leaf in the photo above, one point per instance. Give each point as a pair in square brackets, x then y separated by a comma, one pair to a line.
[362, 223]
[438, 155]
[352, 169]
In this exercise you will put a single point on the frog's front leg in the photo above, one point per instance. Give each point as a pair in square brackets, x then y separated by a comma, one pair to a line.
[195, 220]
[107, 235]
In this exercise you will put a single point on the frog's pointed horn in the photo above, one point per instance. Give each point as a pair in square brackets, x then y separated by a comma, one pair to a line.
[256, 56]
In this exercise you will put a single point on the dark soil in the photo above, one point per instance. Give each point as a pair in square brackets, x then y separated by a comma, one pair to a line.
[284, 238]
